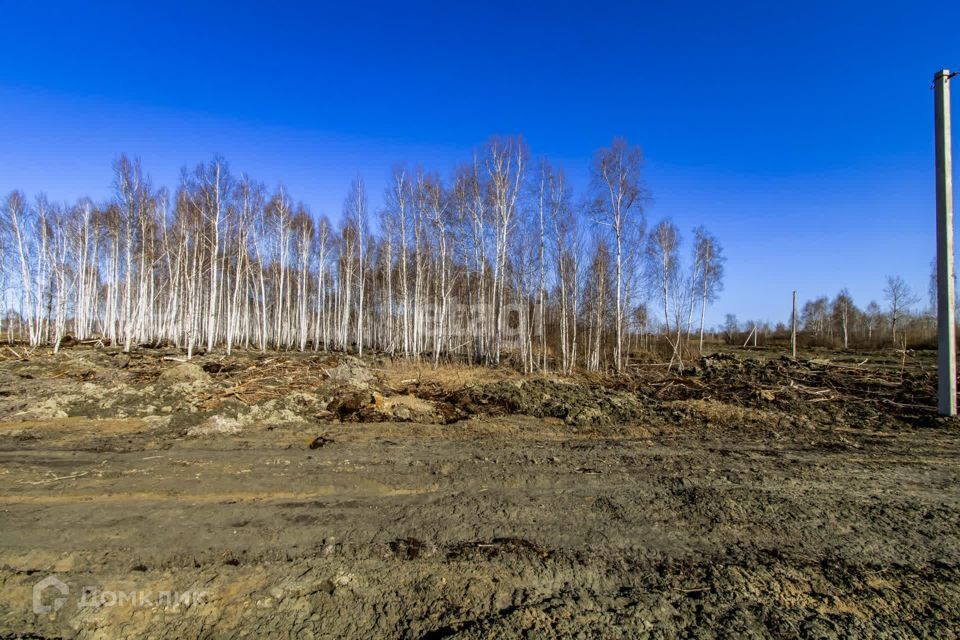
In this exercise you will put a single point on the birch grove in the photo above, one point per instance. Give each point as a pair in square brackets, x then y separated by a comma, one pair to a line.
[497, 264]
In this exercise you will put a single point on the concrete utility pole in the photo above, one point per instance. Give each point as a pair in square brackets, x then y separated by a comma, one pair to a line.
[946, 323]
[793, 335]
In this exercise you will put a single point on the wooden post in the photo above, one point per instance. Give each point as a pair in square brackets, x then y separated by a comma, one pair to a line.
[752, 334]
[793, 335]
[946, 324]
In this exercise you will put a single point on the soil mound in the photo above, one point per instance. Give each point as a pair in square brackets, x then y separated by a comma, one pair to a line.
[352, 372]
[367, 406]
[575, 404]
[185, 373]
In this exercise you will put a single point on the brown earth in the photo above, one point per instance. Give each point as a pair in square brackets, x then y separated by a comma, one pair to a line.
[327, 496]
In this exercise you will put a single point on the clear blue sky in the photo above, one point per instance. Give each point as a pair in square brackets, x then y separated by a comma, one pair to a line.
[799, 133]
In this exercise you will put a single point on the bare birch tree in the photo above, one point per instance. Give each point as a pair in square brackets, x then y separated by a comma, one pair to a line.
[616, 174]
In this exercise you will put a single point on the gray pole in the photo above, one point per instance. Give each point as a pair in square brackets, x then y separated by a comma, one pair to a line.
[946, 327]
[793, 336]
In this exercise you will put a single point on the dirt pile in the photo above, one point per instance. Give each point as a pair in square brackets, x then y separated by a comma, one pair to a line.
[351, 372]
[215, 425]
[185, 373]
[575, 404]
[717, 413]
[802, 393]
[373, 406]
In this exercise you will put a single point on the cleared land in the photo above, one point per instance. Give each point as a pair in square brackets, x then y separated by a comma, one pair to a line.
[311, 495]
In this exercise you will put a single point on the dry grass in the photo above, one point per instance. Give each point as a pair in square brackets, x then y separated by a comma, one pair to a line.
[722, 414]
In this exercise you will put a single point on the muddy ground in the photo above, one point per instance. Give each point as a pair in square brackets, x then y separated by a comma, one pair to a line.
[324, 496]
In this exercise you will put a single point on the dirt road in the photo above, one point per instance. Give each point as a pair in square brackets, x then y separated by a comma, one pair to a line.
[164, 515]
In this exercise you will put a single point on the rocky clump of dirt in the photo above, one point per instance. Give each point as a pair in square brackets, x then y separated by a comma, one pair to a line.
[216, 425]
[575, 404]
[185, 373]
[49, 409]
[373, 406]
[717, 413]
[351, 372]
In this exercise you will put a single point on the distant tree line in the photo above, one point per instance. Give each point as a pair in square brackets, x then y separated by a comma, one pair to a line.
[838, 322]
[497, 261]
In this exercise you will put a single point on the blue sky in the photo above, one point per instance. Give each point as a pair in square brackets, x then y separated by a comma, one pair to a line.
[801, 134]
